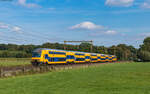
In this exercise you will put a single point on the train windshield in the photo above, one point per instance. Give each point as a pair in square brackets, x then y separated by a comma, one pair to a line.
[36, 53]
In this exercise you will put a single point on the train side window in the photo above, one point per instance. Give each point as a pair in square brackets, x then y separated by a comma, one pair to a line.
[56, 59]
[50, 52]
[94, 59]
[79, 54]
[80, 59]
[61, 53]
[87, 57]
[70, 57]
[103, 59]
[46, 56]
[52, 59]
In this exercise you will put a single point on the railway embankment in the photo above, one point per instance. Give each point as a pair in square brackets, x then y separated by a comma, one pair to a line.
[11, 71]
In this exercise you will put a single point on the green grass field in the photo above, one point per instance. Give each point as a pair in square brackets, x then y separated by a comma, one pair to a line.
[14, 61]
[119, 78]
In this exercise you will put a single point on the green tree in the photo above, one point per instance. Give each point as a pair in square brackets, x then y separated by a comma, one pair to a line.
[144, 55]
[144, 50]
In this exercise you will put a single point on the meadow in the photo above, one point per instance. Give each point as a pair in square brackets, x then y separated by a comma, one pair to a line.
[118, 78]
[14, 61]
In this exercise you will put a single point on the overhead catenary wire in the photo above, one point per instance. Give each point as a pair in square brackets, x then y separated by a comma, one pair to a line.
[24, 37]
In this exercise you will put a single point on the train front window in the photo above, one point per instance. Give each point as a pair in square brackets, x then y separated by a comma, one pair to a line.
[36, 54]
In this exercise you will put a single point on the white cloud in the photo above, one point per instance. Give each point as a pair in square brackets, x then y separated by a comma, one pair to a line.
[145, 34]
[10, 27]
[29, 5]
[3, 26]
[124, 3]
[103, 33]
[87, 25]
[111, 32]
[17, 29]
[97, 30]
[146, 5]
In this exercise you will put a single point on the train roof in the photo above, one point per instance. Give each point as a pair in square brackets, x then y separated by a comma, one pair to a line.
[48, 49]
[39, 49]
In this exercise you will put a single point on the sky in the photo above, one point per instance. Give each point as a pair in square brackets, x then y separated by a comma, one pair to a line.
[106, 22]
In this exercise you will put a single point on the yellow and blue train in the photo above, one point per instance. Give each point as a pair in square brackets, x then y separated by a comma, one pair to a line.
[53, 56]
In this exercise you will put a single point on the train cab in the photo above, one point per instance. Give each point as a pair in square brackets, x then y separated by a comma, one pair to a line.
[37, 57]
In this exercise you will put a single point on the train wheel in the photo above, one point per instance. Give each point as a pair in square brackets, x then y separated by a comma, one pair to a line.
[68, 62]
[46, 63]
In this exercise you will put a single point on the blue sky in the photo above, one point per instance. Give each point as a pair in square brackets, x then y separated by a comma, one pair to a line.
[106, 22]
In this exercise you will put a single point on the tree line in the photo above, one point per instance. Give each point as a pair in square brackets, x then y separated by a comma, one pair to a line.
[122, 51]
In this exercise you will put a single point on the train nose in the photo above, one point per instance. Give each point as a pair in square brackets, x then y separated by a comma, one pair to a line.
[35, 60]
